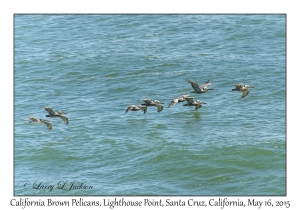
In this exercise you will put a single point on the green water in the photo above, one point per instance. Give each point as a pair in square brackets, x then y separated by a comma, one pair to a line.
[95, 66]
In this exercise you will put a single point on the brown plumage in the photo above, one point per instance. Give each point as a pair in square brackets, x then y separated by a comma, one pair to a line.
[57, 114]
[200, 89]
[243, 88]
[47, 123]
[156, 103]
[136, 108]
[177, 100]
[190, 102]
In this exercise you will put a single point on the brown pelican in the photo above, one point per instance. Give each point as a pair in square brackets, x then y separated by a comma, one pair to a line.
[47, 123]
[136, 108]
[156, 103]
[57, 114]
[243, 88]
[190, 102]
[148, 102]
[179, 99]
[200, 89]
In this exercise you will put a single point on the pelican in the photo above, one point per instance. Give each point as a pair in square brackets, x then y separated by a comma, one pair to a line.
[156, 103]
[243, 88]
[47, 123]
[200, 89]
[190, 102]
[136, 108]
[149, 102]
[57, 114]
[179, 99]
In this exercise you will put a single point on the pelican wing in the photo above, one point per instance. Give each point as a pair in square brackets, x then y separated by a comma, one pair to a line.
[198, 106]
[159, 107]
[147, 101]
[129, 108]
[189, 100]
[195, 85]
[173, 102]
[144, 108]
[50, 110]
[245, 93]
[65, 119]
[205, 84]
[48, 124]
[33, 119]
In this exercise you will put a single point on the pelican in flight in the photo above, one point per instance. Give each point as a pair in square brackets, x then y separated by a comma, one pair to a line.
[200, 89]
[149, 102]
[57, 114]
[179, 99]
[243, 88]
[47, 123]
[136, 108]
[190, 102]
[156, 103]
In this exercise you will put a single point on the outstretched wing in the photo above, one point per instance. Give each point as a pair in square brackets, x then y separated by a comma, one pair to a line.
[195, 85]
[147, 101]
[199, 104]
[205, 84]
[49, 110]
[189, 100]
[129, 108]
[159, 107]
[32, 119]
[65, 119]
[245, 93]
[49, 125]
[173, 102]
[144, 108]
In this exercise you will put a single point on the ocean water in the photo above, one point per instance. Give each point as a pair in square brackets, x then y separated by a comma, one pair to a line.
[94, 66]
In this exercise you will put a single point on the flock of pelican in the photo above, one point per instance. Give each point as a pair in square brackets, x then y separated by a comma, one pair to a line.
[189, 100]
[51, 114]
[147, 102]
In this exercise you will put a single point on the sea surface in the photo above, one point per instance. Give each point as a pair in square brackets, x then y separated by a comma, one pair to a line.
[94, 66]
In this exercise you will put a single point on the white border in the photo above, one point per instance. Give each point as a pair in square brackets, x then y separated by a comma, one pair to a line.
[8, 8]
